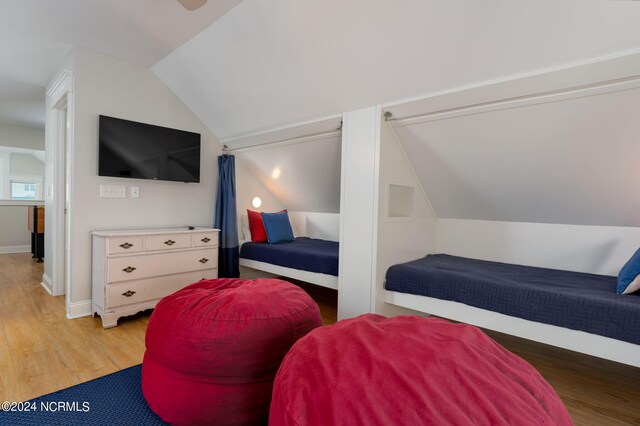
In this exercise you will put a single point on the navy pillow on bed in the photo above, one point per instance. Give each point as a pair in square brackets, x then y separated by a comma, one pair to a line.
[629, 276]
[278, 227]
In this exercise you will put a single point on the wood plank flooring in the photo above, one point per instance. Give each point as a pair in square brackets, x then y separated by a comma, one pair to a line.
[595, 391]
[41, 351]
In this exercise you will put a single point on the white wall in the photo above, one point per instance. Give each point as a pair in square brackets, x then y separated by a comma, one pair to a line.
[104, 85]
[324, 226]
[563, 159]
[18, 137]
[19, 167]
[26, 164]
[249, 186]
[594, 249]
[21, 137]
[400, 239]
[554, 146]
[14, 236]
[302, 175]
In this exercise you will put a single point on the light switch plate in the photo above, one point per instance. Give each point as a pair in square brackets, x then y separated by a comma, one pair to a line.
[135, 192]
[112, 191]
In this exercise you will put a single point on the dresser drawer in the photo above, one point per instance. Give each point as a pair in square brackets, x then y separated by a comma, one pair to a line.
[205, 239]
[152, 288]
[167, 241]
[121, 245]
[155, 265]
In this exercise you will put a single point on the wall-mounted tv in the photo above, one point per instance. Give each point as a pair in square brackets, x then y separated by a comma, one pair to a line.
[142, 151]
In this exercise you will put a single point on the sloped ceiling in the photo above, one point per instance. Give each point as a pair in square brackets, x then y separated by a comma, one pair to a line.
[269, 63]
[304, 176]
[272, 63]
[573, 161]
[36, 35]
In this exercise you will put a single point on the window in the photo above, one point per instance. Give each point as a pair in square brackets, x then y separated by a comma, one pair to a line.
[23, 190]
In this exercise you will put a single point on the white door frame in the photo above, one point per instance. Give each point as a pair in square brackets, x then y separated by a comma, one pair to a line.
[61, 102]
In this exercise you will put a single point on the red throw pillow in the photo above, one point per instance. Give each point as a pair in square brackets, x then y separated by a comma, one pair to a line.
[256, 226]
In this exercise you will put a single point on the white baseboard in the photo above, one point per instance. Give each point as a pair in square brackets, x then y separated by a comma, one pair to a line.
[78, 309]
[47, 284]
[15, 249]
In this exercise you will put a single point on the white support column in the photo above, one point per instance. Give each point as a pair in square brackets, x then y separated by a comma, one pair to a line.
[358, 211]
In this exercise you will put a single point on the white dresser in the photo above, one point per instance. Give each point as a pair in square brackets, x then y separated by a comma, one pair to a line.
[134, 269]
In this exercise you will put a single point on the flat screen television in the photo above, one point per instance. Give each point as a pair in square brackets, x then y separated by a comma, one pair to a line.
[143, 151]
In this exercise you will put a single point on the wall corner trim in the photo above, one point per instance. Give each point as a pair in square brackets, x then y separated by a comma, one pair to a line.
[63, 83]
[79, 309]
[47, 284]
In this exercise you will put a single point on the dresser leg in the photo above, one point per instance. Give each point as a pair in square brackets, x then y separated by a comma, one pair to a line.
[109, 320]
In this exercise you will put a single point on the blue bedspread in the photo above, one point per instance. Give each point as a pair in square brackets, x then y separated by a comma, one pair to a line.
[573, 300]
[307, 254]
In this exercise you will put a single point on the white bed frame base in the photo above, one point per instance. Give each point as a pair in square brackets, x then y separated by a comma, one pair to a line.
[317, 278]
[579, 341]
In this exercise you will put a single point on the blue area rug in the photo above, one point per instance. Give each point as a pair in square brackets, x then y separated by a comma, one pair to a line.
[115, 399]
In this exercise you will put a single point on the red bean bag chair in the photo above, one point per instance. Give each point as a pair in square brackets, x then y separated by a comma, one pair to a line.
[408, 370]
[214, 347]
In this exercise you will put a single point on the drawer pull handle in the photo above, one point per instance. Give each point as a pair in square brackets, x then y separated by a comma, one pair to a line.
[128, 293]
[129, 269]
[126, 245]
[205, 240]
[203, 260]
[169, 242]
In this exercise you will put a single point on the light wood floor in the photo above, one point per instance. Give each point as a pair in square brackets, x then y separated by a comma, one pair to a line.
[41, 351]
[595, 391]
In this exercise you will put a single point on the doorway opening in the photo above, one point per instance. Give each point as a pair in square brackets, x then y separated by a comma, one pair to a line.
[57, 193]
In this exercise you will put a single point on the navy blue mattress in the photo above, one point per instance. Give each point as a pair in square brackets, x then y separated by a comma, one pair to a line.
[307, 254]
[573, 300]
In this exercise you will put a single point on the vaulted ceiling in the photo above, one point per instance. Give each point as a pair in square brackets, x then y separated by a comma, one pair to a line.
[269, 63]
[36, 35]
[244, 67]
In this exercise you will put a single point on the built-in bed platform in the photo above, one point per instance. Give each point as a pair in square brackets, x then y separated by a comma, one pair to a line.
[573, 310]
[306, 259]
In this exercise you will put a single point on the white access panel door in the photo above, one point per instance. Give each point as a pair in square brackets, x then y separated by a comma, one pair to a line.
[358, 210]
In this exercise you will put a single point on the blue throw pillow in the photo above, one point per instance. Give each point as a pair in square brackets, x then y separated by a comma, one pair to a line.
[278, 227]
[629, 276]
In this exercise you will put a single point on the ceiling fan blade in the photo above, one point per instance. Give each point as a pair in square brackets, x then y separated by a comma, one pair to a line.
[192, 4]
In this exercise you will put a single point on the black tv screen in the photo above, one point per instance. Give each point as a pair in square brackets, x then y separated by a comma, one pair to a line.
[142, 151]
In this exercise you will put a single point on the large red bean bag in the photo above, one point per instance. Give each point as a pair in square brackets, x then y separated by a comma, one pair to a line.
[214, 347]
[408, 370]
